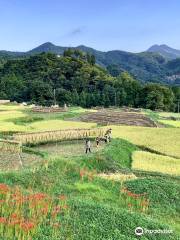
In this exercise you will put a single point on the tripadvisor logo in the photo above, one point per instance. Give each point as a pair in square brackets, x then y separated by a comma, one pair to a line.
[139, 231]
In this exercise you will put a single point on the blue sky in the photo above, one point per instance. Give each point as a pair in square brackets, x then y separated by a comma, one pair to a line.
[131, 25]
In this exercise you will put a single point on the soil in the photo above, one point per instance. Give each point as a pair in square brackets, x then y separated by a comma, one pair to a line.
[68, 148]
[112, 117]
[11, 161]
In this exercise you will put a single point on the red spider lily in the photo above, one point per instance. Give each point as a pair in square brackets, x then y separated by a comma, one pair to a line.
[82, 173]
[38, 196]
[130, 205]
[4, 188]
[44, 210]
[134, 195]
[27, 212]
[62, 197]
[3, 220]
[56, 225]
[27, 226]
[57, 208]
[14, 215]
[14, 222]
[65, 207]
[55, 211]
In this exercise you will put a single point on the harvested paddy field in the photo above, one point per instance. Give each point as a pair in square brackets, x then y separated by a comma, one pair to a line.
[11, 161]
[106, 117]
[67, 148]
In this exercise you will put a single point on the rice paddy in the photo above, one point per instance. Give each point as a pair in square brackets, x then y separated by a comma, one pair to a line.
[11, 161]
[155, 163]
[67, 148]
[171, 123]
[163, 140]
[13, 118]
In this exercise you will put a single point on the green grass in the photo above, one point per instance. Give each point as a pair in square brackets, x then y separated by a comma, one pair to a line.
[116, 156]
[164, 197]
[153, 115]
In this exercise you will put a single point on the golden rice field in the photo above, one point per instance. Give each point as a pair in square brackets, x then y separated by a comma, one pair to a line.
[10, 112]
[155, 163]
[58, 124]
[44, 126]
[164, 140]
[169, 114]
[171, 123]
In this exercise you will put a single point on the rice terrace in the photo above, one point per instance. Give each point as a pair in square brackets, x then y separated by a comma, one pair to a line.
[89, 120]
[135, 176]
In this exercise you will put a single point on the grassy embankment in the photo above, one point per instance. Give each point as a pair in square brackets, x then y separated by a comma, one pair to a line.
[99, 208]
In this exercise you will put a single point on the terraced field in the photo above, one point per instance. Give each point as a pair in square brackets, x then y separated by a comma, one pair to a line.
[11, 161]
[120, 185]
[68, 148]
[151, 162]
[106, 117]
[163, 140]
[171, 123]
[15, 118]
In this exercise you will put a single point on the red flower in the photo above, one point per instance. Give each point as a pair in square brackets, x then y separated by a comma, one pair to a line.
[56, 225]
[3, 220]
[14, 215]
[65, 206]
[27, 226]
[62, 197]
[130, 205]
[3, 188]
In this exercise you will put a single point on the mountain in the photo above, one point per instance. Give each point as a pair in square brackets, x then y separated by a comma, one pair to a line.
[148, 66]
[47, 47]
[165, 51]
[78, 81]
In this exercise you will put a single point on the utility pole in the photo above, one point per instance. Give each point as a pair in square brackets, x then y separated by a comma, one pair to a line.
[115, 99]
[54, 96]
[178, 105]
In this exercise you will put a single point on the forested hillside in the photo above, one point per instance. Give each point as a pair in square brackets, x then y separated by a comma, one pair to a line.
[78, 81]
[145, 66]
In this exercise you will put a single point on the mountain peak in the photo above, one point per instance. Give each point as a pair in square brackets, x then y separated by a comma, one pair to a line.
[47, 44]
[47, 47]
[165, 51]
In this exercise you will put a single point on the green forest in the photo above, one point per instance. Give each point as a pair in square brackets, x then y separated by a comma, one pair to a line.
[77, 80]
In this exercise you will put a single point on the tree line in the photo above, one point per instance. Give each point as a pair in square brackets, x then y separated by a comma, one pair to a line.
[77, 80]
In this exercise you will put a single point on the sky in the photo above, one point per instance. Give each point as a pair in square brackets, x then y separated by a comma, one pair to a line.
[129, 25]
